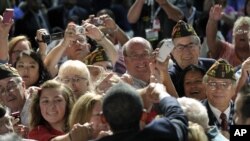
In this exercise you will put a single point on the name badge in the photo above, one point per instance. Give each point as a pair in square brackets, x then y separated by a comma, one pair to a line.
[151, 34]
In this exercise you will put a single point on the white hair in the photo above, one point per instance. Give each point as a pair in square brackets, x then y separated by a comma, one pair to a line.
[195, 111]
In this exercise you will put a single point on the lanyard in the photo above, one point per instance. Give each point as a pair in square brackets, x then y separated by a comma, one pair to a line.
[152, 13]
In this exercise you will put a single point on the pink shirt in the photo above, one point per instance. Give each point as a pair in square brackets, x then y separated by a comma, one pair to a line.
[228, 52]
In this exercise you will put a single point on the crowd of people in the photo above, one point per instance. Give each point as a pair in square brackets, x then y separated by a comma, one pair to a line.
[73, 70]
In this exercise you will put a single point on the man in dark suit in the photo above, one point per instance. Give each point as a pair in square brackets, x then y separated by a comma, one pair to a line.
[122, 109]
[220, 83]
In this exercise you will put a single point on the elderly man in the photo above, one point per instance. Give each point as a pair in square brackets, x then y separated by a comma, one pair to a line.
[76, 46]
[13, 94]
[220, 88]
[138, 55]
[186, 52]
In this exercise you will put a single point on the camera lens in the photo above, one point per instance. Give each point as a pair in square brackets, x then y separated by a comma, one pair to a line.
[46, 38]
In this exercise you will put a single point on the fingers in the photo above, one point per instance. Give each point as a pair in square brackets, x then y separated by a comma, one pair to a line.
[33, 91]
[81, 132]
[154, 74]
[155, 91]
[106, 83]
[15, 121]
[152, 68]
[21, 130]
[127, 78]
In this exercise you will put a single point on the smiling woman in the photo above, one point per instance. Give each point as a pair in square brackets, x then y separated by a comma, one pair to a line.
[50, 111]
[192, 82]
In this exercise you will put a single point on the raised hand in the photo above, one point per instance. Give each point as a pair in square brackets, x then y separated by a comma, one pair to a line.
[216, 12]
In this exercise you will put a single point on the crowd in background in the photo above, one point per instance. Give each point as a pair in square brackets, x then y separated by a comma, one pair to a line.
[76, 70]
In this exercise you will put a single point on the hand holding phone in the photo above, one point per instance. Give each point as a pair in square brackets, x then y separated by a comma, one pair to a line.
[165, 49]
[8, 15]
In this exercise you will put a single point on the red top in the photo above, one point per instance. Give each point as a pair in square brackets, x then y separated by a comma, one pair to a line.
[42, 133]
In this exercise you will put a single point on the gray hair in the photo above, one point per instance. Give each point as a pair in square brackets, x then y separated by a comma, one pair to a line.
[194, 111]
[134, 40]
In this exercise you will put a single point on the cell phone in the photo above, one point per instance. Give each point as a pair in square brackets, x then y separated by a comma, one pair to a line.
[165, 49]
[8, 15]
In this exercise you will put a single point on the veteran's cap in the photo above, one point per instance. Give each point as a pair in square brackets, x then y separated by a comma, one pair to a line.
[221, 69]
[182, 29]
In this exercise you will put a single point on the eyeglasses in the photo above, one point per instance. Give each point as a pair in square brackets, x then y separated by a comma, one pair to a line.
[240, 31]
[10, 87]
[190, 46]
[16, 52]
[139, 56]
[222, 85]
[79, 42]
[73, 80]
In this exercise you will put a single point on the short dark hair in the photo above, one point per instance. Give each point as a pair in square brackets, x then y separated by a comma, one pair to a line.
[122, 108]
[245, 93]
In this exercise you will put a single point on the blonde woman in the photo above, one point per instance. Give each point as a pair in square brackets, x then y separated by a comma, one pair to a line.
[88, 108]
[76, 75]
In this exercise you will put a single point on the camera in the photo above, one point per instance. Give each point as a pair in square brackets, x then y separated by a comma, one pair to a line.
[80, 30]
[97, 21]
[55, 36]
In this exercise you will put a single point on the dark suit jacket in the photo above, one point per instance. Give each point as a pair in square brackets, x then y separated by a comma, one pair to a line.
[171, 127]
[212, 118]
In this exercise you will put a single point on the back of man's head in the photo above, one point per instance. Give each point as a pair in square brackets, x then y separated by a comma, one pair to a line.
[244, 103]
[122, 108]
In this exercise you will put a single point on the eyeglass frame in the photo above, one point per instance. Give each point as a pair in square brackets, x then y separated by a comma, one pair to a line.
[223, 85]
[190, 46]
[14, 85]
[71, 79]
[145, 55]
[240, 31]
